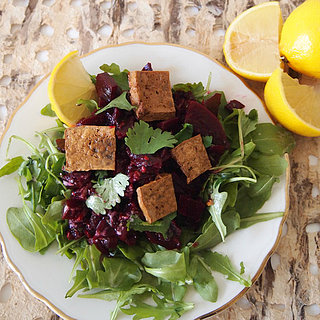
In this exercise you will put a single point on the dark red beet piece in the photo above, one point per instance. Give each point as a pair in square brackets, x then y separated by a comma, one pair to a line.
[101, 119]
[205, 122]
[107, 89]
[61, 145]
[181, 102]
[215, 152]
[172, 125]
[76, 179]
[213, 103]
[191, 209]
[234, 104]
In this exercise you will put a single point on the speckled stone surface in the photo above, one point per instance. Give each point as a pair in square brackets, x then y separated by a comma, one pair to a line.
[35, 35]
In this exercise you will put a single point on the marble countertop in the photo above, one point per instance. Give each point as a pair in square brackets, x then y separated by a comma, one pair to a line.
[35, 35]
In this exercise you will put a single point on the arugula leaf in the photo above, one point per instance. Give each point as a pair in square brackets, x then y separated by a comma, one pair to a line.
[47, 111]
[269, 165]
[161, 311]
[207, 141]
[169, 265]
[160, 226]
[184, 134]
[203, 280]
[92, 105]
[118, 274]
[251, 199]
[121, 78]
[259, 217]
[210, 235]
[172, 291]
[143, 139]
[79, 282]
[12, 166]
[53, 215]
[120, 102]
[197, 89]
[108, 193]
[218, 262]
[271, 139]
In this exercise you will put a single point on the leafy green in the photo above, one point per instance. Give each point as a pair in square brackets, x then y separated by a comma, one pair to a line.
[269, 165]
[143, 139]
[47, 111]
[207, 141]
[108, 192]
[218, 262]
[203, 280]
[92, 105]
[169, 265]
[120, 77]
[161, 311]
[271, 139]
[259, 217]
[160, 226]
[197, 89]
[12, 166]
[120, 102]
[184, 134]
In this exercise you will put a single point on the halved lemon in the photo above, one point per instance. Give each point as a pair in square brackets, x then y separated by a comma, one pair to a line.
[69, 82]
[251, 46]
[296, 106]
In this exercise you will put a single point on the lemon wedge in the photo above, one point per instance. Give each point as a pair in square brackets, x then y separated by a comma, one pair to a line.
[300, 39]
[68, 83]
[251, 46]
[295, 106]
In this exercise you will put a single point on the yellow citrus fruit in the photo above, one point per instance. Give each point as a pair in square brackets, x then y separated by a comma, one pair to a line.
[294, 105]
[68, 83]
[300, 38]
[251, 45]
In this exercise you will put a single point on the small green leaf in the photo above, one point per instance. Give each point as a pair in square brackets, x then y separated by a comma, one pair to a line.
[12, 166]
[207, 141]
[160, 226]
[47, 111]
[120, 102]
[218, 262]
[184, 134]
[92, 105]
[197, 89]
[121, 78]
[143, 139]
[259, 217]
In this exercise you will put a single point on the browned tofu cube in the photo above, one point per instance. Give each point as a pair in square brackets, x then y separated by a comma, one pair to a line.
[192, 157]
[151, 92]
[157, 199]
[90, 148]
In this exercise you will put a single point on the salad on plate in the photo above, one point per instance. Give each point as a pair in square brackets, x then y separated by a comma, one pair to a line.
[141, 189]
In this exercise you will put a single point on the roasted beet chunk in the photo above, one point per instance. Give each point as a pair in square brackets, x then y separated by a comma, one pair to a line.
[213, 103]
[107, 89]
[234, 104]
[147, 67]
[181, 102]
[205, 122]
[76, 179]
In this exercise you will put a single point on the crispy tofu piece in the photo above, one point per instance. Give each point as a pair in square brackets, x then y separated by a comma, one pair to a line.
[157, 199]
[151, 92]
[192, 157]
[90, 148]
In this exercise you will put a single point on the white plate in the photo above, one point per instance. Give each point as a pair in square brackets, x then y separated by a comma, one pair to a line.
[46, 276]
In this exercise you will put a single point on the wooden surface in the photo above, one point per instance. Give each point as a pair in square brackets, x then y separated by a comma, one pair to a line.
[35, 35]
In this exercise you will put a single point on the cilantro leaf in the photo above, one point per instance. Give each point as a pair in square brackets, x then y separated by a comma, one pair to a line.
[121, 78]
[92, 105]
[143, 139]
[120, 102]
[108, 193]
[160, 226]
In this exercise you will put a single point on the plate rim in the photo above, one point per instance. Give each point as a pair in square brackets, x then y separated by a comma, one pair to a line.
[57, 310]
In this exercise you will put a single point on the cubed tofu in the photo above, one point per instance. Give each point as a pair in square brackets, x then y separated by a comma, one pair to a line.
[157, 199]
[151, 92]
[192, 157]
[90, 148]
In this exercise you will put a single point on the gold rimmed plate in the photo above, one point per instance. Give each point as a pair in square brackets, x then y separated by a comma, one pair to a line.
[46, 276]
